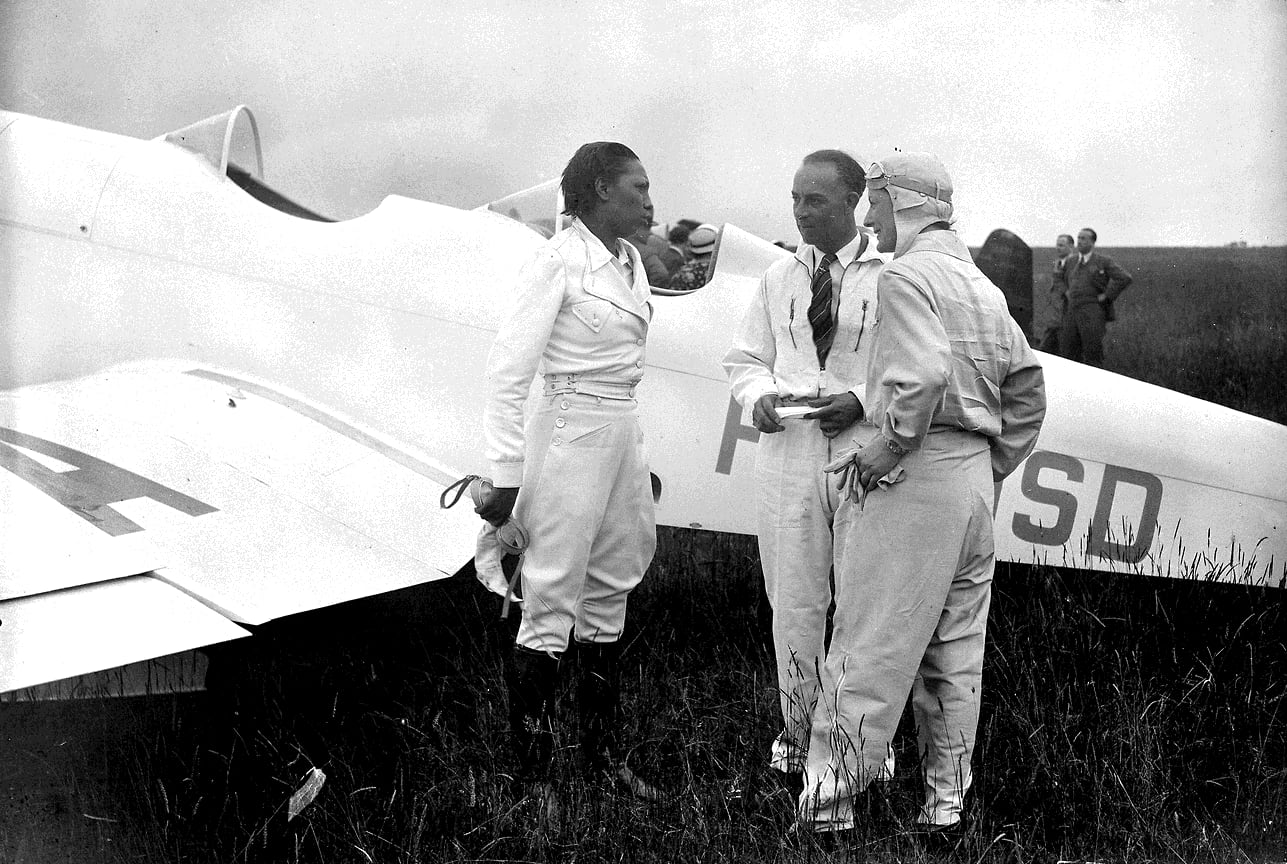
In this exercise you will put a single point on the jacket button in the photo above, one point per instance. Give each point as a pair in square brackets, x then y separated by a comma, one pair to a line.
[638, 341]
[564, 405]
[560, 422]
[558, 441]
[639, 364]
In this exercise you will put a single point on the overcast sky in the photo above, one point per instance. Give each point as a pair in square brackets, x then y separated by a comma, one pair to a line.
[1157, 123]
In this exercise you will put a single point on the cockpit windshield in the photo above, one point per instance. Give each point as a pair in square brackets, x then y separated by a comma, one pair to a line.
[539, 207]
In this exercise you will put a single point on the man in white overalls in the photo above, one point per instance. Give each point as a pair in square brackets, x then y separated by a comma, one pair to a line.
[957, 398]
[574, 474]
[804, 341]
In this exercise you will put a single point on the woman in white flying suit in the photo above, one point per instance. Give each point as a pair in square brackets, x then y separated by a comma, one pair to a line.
[574, 474]
[957, 397]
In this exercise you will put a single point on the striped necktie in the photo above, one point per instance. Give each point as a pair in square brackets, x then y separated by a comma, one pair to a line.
[820, 309]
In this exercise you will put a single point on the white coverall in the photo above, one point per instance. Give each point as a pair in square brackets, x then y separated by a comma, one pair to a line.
[953, 381]
[586, 498]
[774, 353]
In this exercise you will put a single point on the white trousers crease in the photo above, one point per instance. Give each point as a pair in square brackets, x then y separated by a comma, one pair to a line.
[795, 510]
[914, 569]
[587, 503]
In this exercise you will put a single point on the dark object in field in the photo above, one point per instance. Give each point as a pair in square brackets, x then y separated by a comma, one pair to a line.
[1007, 261]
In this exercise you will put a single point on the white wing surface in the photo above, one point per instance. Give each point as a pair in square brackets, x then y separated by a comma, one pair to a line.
[245, 503]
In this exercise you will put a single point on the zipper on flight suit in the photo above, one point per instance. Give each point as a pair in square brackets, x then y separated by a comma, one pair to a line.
[791, 325]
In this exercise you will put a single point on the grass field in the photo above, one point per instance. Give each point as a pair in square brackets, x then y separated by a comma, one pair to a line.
[1125, 719]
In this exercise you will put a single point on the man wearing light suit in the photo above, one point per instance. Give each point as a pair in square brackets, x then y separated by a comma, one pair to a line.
[805, 339]
[1064, 245]
[1091, 282]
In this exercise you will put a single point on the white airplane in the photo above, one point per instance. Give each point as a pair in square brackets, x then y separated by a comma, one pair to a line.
[217, 410]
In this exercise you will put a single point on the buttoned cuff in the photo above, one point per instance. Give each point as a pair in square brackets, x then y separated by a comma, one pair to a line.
[507, 475]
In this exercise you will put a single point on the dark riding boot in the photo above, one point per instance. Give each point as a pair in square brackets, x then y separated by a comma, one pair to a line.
[532, 678]
[598, 696]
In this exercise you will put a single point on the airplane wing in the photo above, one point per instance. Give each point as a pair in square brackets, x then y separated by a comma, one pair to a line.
[151, 507]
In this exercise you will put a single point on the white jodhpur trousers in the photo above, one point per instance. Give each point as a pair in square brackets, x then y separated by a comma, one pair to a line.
[587, 503]
[795, 512]
[914, 567]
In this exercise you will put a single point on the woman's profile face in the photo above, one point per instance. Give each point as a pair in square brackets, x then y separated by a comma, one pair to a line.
[624, 203]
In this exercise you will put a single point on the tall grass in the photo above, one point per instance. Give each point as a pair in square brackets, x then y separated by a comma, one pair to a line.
[1124, 720]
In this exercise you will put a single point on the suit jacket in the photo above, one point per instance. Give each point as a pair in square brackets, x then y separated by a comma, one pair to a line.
[1085, 283]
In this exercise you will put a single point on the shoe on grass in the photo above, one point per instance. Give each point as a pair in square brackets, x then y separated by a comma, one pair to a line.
[939, 838]
[804, 835]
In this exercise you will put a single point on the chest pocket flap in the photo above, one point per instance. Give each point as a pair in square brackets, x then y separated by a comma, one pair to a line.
[593, 313]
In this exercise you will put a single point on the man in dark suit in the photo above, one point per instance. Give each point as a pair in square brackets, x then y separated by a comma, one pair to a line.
[1091, 283]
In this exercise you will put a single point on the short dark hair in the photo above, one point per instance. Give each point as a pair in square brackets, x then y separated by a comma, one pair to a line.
[679, 234]
[1071, 240]
[1094, 238]
[851, 173]
[598, 160]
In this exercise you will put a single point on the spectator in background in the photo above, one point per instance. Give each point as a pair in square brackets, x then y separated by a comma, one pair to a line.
[678, 238]
[651, 250]
[693, 275]
[1064, 250]
[1091, 282]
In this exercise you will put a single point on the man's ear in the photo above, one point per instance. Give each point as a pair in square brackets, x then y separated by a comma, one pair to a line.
[852, 199]
[601, 188]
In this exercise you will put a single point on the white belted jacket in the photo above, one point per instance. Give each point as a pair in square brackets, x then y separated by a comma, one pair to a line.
[574, 314]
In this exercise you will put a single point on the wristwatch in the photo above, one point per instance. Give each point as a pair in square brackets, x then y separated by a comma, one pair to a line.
[895, 448]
